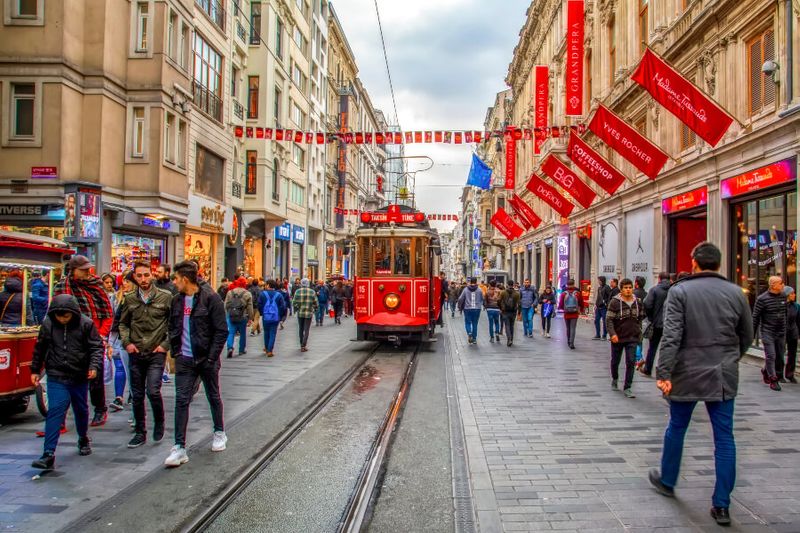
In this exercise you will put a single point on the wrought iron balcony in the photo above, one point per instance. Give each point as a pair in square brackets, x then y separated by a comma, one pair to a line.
[238, 110]
[241, 32]
[207, 101]
[214, 10]
[236, 189]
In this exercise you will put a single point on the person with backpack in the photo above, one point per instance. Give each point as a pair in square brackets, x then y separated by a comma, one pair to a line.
[273, 308]
[654, 307]
[548, 302]
[571, 303]
[624, 323]
[255, 291]
[239, 310]
[528, 299]
[510, 306]
[470, 303]
[323, 296]
[492, 305]
[600, 307]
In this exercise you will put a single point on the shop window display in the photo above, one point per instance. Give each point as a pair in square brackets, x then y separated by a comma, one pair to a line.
[198, 248]
[54, 232]
[127, 249]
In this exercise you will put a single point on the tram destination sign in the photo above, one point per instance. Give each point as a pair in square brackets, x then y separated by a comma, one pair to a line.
[393, 214]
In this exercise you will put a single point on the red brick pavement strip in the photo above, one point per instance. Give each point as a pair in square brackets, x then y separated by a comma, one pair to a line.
[81, 483]
[552, 447]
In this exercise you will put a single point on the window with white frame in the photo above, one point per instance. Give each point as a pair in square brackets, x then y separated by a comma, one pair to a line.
[183, 46]
[23, 99]
[181, 143]
[298, 117]
[297, 194]
[138, 135]
[172, 38]
[169, 141]
[25, 9]
[298, 77]
[298, 156]
[142, 26]
[299, 39]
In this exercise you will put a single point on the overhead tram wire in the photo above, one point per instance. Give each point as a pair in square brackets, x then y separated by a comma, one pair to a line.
[386, 60]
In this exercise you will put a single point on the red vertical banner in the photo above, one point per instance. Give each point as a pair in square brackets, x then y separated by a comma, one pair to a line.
[511, 164]
[550, 195]
[524, 212]
[574, 62]
[561, 174]
[506, 225]
[541, 101]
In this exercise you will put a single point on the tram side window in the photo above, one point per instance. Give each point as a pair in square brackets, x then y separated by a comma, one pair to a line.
[402, 256]
[419, 258]
[381, 256]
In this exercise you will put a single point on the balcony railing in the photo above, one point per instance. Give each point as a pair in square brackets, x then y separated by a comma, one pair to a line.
[238, 110]
[236, 189]
[240, 31]
[207, 101]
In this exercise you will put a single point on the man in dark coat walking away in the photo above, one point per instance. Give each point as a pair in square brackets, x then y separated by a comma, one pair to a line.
[707, 330]
[654, 307]
[769, 314]
[601, 307]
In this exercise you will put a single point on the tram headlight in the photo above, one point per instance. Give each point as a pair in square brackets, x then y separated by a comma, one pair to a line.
[391, 301]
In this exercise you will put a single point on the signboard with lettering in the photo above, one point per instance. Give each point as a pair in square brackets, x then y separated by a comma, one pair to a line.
[688, 200]
[83, 213]
[607, 247]
[639, 244]
[563, 260]
[761, 178]
[44, 172]
[283, 232]
[298, 234]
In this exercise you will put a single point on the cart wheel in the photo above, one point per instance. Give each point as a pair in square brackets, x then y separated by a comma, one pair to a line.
[41, 398]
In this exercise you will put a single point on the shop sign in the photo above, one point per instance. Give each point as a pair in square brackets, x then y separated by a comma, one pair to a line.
[212, 217]
[82, 213]
[563, 260]
[298, 234]
[607, 246]
[584, 232]
[639, 244]
[44, 172]
[761, 178]
[476, 234]
[548, 242]
[235, 235]
[283, 232]
[687, 200]
[27, 211]
[154, 222]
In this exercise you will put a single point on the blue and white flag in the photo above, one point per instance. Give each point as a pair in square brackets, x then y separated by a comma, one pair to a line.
[480, 175]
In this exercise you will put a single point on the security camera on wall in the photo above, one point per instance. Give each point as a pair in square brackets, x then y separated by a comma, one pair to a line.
[770, 68]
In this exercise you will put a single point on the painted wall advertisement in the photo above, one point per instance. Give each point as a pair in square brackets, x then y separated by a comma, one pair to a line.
[563, 260]
[83, 213]
[607, 246]
[639, 244]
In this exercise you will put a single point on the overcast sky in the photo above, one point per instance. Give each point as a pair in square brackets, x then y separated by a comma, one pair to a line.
[448, 59]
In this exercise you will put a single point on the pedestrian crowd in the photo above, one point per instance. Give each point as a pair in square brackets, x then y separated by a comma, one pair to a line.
[138, 330]
[699, 324]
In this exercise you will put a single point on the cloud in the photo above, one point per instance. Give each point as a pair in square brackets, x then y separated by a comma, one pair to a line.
[448, 60]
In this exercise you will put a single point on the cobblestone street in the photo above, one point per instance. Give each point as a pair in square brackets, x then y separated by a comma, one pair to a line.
[552, 447]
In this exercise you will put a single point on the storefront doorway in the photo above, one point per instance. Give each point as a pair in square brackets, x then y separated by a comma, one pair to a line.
[685, 232]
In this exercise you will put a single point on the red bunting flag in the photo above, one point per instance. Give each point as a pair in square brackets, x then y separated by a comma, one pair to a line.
[628, 142]
[238, 131]
[468, 137]
[320, 138]
[368, 137]
[348, 138]
[278, 135]
[438, 136]
[574, 61]
[526, 215]
[428, 136]
[593, 165]
[309, 138]
[682, 98]
[379, 138]
[298, 136]
[409, 137]
[287, 135]
[511, 164]
[541, 102]
[417, 137]
[527, 134]
[561, 174]
[506, 225]
[477, 136]
[398, 138]
[249, 133]
[550, 195]
[458, 137]
[359, 138]
[268, 133]
[259, 133]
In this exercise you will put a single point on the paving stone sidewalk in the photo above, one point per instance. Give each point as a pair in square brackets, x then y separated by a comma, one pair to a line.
[552, 447]
[81, 483]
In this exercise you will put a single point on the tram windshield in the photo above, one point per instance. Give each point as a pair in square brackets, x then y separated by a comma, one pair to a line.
[399, 256]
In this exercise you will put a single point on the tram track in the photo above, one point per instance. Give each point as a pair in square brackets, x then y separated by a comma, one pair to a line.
[355, 514]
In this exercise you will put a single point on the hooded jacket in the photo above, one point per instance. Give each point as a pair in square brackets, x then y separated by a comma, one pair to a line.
[68, 352]
[471, 298]
[625, 320]
[11, 303]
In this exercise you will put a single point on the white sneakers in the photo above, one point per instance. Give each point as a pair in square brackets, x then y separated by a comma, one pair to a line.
[219, 442]
[177, 456]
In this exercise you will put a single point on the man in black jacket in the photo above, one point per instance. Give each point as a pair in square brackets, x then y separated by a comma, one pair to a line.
[624, 322]
[70, 349]
[654, 307]
[197, 331]
[600, 307]
[769, 313]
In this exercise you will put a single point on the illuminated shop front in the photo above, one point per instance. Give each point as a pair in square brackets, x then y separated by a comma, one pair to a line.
[687, 225]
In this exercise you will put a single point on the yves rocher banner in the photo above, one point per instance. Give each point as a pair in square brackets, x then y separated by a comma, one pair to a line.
[574, 64]
[594, 165]
[682, 98]
[628, 142]
[550, 195]
[561, 174]
[506, 225]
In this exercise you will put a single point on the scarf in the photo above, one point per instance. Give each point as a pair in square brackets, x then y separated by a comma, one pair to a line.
[91, 296]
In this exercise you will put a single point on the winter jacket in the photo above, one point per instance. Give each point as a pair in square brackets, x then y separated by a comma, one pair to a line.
[167, 285]
[222, 292]
[247, 300]
[769, 313]
[280, 302]
[305, 302]
[528, 297]
[613, 292]
[255, 292]
[509, 301]
[209, 328]
[624, 319]
[545, 298]
[603, 296]
[640, 293]
[40, 294]
[471, 298]
[654, 303]
[492, 299]
[322, 295]
[348, 292]
[707, 329]
[578, 295]
[145, 325]
[337, 294]
[454, 292]
[11, 304]
[68, 352]
[792, 320]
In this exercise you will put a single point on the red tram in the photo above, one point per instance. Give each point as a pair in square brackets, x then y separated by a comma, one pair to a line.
[397, 291]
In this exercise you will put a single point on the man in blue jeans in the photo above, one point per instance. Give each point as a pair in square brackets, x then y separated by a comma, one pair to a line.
[528, 302]
[707, 330]
[471, 302]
